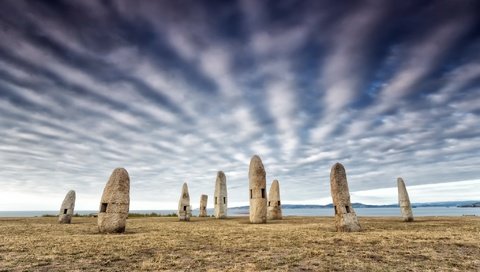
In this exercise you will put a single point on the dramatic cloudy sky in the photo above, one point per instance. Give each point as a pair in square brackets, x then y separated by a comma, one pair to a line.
[176, 90]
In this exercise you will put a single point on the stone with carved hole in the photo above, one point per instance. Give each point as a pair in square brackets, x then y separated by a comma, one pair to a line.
[345, 217]
[203, 206]
[220, 196]
[258, 194]
[184, 209]
[115, 203]
[66, 210]
[274, 210]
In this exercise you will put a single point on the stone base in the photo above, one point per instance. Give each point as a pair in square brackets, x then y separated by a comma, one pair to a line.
[65, 219]
[258, 211]
[274, 213]
[406, 212]
[347, 222]
[220, 213]
[184, 218]
[112, 222]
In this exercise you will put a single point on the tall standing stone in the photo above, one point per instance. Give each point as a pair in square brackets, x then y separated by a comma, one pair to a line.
[345, 217]
[203, 206]
[404, 201]
[66, 210]
[115, 203]
[220, 197]
[258, 195]
[184, 209]
[274, 210]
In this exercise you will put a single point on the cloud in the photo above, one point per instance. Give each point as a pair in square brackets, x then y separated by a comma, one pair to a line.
[174, 94]
[456, 82]
[448, 191]
[350, 42]
[420, 59]
[342, 74]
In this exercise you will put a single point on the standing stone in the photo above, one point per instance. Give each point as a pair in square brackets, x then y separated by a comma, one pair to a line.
[115, 203]
[345, 217]
[203, 206]
[184, 210]
[221, 196]
[258, 196]
[66, 210]
[274, 205]
[404, 201]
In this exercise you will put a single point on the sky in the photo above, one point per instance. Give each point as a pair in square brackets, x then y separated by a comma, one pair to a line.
[175, 91]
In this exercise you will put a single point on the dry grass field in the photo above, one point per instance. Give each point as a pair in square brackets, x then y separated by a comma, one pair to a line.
[293, 244]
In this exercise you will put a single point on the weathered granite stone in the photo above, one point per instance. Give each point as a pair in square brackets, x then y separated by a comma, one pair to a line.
[184, 209]
[404, 201]
[203, 206]
[258, 194]
[66, 210]
[221, 199]
[345, 217]
[115, 203]
[274, 210]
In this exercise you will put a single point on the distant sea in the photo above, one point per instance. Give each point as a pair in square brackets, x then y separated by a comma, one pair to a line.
[418, 211]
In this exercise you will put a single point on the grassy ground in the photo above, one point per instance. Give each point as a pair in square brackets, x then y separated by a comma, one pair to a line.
[292, 244]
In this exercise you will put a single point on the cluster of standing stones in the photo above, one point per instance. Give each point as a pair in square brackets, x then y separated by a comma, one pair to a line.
[115, 201]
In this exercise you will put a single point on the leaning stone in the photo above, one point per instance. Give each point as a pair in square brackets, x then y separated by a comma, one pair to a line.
[184, 209]
[345, 217]
[258, 196]
[404, 201]
[203, 206]
[115, 203]
[66, 210]
[221, 200]
[274, 210]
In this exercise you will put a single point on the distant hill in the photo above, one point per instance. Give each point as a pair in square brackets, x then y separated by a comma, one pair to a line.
[471, 203]
[446, 203]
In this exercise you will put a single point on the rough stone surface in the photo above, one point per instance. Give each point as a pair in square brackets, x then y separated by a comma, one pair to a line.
[115, 203]
[184, 209]
[66, 210]
[220, 196]
[257, 192]
[404, 201]
[274, 210]
[203, 206]
[345, 217]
